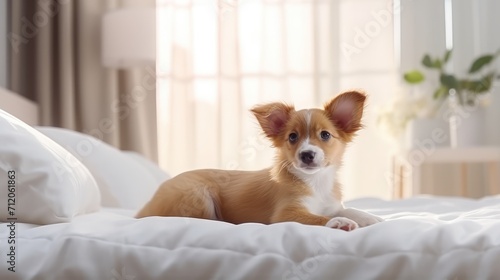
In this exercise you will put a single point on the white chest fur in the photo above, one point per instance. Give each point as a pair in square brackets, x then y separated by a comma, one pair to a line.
[321, 201]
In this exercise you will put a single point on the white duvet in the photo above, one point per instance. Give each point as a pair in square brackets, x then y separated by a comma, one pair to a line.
[423, 238]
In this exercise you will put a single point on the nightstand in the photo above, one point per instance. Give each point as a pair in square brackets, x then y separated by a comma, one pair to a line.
[406, 173]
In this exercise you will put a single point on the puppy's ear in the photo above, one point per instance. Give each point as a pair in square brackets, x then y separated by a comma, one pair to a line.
[346, 111]
[273, 117]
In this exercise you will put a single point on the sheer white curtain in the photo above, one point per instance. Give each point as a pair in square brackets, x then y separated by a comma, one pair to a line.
[217, 59]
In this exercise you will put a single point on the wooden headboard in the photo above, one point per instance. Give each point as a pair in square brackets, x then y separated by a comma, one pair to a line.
[20, 107]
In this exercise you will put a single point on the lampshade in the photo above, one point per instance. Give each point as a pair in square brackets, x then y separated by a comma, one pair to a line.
[129, 38]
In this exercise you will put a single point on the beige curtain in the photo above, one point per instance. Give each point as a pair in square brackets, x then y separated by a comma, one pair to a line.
[218, 58]
[55, 60]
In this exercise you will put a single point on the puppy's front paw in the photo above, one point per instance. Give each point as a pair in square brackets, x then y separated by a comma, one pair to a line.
[363, 219]
[342, 223]
[369, 220]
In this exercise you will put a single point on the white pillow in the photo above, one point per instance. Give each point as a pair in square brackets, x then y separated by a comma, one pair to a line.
[46, 183]
[126, 179]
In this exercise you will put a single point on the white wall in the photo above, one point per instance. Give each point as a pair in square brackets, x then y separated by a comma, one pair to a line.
[475, 27]
[3, 43]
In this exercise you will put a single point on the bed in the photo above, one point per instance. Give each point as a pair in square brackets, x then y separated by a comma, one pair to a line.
[76, 197]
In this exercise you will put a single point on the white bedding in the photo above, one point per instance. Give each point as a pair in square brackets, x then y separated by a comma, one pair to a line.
[423, 238]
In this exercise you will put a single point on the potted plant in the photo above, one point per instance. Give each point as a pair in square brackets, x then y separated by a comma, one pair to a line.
[467, 88]
[462, 92]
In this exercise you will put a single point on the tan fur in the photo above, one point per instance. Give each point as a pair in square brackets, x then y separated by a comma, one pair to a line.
[270, 195]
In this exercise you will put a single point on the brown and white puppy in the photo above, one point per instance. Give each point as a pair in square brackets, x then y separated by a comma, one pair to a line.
[301, 186]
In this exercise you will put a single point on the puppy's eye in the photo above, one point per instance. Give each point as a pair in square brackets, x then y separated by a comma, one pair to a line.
[293, 137]
[325, 135]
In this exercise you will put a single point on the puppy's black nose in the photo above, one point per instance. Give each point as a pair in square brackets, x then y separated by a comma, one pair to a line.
[307, 157]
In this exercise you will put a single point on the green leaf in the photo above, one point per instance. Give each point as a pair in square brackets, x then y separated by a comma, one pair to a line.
[447, 56]
[480, 86]
[486, 83]
[414, 77]
[437, 63]
[440, 92]
[449, 81]
[465, 84]
[480, 62]
[427, 61]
